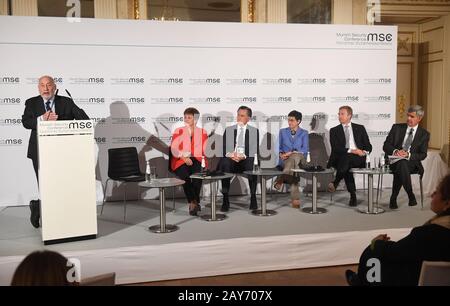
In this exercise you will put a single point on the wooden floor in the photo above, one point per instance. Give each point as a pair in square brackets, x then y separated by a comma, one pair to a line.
[327, 276]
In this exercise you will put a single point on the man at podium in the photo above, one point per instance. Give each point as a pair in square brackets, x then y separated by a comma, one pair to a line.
[46, 106]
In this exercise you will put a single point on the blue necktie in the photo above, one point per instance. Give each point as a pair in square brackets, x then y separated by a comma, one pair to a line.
[47, 106]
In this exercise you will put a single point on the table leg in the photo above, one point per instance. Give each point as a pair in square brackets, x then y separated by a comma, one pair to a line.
[370, 207]
[213, 216]
[263, 212]
[162, 227]
[314, 209]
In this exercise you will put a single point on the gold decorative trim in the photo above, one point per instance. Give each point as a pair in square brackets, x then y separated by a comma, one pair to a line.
[251, 11]
[136, 13]
[411, 89]
[412, 43]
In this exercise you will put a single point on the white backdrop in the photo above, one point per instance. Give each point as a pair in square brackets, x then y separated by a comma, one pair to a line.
[135, 78]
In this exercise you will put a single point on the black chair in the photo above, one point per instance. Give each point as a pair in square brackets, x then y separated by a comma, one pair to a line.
[123, 166]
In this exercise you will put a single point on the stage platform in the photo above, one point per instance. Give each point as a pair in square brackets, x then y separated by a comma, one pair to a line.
[241, 243]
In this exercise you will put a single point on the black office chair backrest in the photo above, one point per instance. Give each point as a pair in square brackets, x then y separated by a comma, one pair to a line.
[123, 162]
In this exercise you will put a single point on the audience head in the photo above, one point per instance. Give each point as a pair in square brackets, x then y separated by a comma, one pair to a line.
[415, 114]
[244, 114]
[440, 199]
[294, 119]
[43, 268]
[47, 87]
[191, 116]
[345, 114]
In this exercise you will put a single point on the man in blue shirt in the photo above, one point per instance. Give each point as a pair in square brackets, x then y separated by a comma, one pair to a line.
[293, 147]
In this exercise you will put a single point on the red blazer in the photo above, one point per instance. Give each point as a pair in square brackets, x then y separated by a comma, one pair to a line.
[183, 142]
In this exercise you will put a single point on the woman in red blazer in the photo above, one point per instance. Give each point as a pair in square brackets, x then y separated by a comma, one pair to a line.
[187, 149]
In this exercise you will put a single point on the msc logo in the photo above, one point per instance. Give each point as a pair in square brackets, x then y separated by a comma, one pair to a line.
[379, 37]
[136, 80]
[284, 99]
[213, 118]
[11, 141]
[384, 80]
[319, 81]
[319, 116]
[10, 101]
[175, 100]
[352, 80]
[249, 81]
[278, 118]
[384, 116]
[138, 139]
[100, 139]
[175, 119]
[136, 100]
[212, 81]
[379, 133]
[384, 98]
[10, 80]
[97, 100]
[80, 125]
[12, 121]
[96, 80]
[58, 80]
[99, 120]
[213, 99]
[352, 98]
[249, 99]
[137, 119]
[175, 81]
[285, 80]
[319, 99]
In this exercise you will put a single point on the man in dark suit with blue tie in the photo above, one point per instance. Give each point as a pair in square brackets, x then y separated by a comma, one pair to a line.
[410, 142]
[350, 145]
[48, 107]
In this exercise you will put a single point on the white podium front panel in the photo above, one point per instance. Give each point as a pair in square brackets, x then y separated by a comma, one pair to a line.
[67, 180]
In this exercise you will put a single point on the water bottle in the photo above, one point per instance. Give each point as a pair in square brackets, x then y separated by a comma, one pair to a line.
[255, 163]
[203, 170]
[367, 160]
[148, 172]
[308, 157]
[382, 161]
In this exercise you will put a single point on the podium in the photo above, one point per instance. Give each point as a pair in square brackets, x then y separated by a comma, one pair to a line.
[67, 180]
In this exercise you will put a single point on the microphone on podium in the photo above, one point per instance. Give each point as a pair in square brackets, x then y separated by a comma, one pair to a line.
[78, 113]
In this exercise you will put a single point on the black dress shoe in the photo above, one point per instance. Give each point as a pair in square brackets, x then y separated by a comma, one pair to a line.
[353, 201]
[393, 204]
[195, 210]
[35, 213]
[352, 278]
[412, 202]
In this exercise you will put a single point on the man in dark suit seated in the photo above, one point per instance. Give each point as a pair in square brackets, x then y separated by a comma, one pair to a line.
[240, 144]
[349, 146]
[48, 106]
[410, 142]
